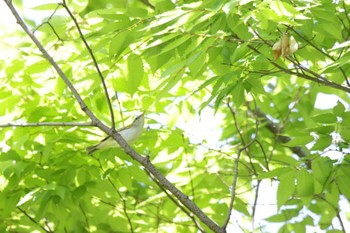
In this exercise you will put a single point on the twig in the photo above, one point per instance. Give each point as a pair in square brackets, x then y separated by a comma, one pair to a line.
[86, 218]
[324, 53]
[177, 203]
[276, 130]
[265, 156]
[255, 203]
[144, 161]
[119, 194]
[235, 172]
[336, 209]
[33, 220]
[315, 78]
[39, 124]
[119, 106]
[48, 23]
[147, 3]
[124, 205]
[94, 61]
[188, 167]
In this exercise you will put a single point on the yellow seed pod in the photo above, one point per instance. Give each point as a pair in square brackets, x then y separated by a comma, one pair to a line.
[285, 46]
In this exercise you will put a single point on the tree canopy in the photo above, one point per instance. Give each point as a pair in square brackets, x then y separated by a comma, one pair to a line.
[239, 105]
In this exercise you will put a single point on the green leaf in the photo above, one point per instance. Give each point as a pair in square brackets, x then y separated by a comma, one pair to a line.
[326, 118]
[275, 173]
[305, 183]
[300, 141]
[339, 109]
[238, 94]
[286, 215]
[343, 180]
[47, 6]
[198, 62]
[175, 43]
[346, 119]
[286, 188]
[321, 170]
[78, 5]
[134, 73]
[120, 42]
[322, 142]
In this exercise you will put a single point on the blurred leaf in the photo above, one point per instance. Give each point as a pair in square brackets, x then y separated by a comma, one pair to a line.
[339, 109]
[305, 183]
[326, 118]
[322, 142]
[135, 73]
[285, 188]
[300, 140]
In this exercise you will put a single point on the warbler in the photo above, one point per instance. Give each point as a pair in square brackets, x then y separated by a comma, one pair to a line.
[129, 133]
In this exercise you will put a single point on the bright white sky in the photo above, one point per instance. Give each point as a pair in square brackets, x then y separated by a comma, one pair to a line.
[266, 203]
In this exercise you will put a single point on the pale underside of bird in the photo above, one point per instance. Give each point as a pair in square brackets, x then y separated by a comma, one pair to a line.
[129, 133]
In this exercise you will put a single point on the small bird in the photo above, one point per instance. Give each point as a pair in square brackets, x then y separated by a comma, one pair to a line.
[129, 133]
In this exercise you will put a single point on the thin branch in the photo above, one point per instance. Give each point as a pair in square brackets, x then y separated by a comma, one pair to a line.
[147, 3]
[40, 124]
[325, 54]
[33, 220]
[341, 222]
[144, 161]
[115, 97]
[235, 175]
[225, 154]
[119, 194]
[86, 218]
[255, 203]
[265, 156]
[48, 23]
[188, 168]
[94, 61]
[336, 209]
[124, 205]
[177, 203]
[276, 130]
[314, 77]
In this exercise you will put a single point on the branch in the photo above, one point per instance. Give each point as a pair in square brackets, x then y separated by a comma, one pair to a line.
[39, 124]
[48, 23]
[275, 130]
[235, 175]
[119, 194]
[176, 203]
[313, 76]
[255, 203]
[147, 3]
[33, 220]
[113, 133]
[324, 53]
[124, 204]
[94, 61]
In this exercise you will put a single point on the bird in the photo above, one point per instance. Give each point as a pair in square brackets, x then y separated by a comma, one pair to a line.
[129, 133]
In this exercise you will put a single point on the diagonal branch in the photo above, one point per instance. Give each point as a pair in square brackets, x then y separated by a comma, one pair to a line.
[33, 220]
[311, 76]
[324, 53]
[177, 203]
[144, 161]
[94, 61]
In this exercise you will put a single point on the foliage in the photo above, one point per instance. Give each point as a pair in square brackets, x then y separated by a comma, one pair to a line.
[177, 60]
